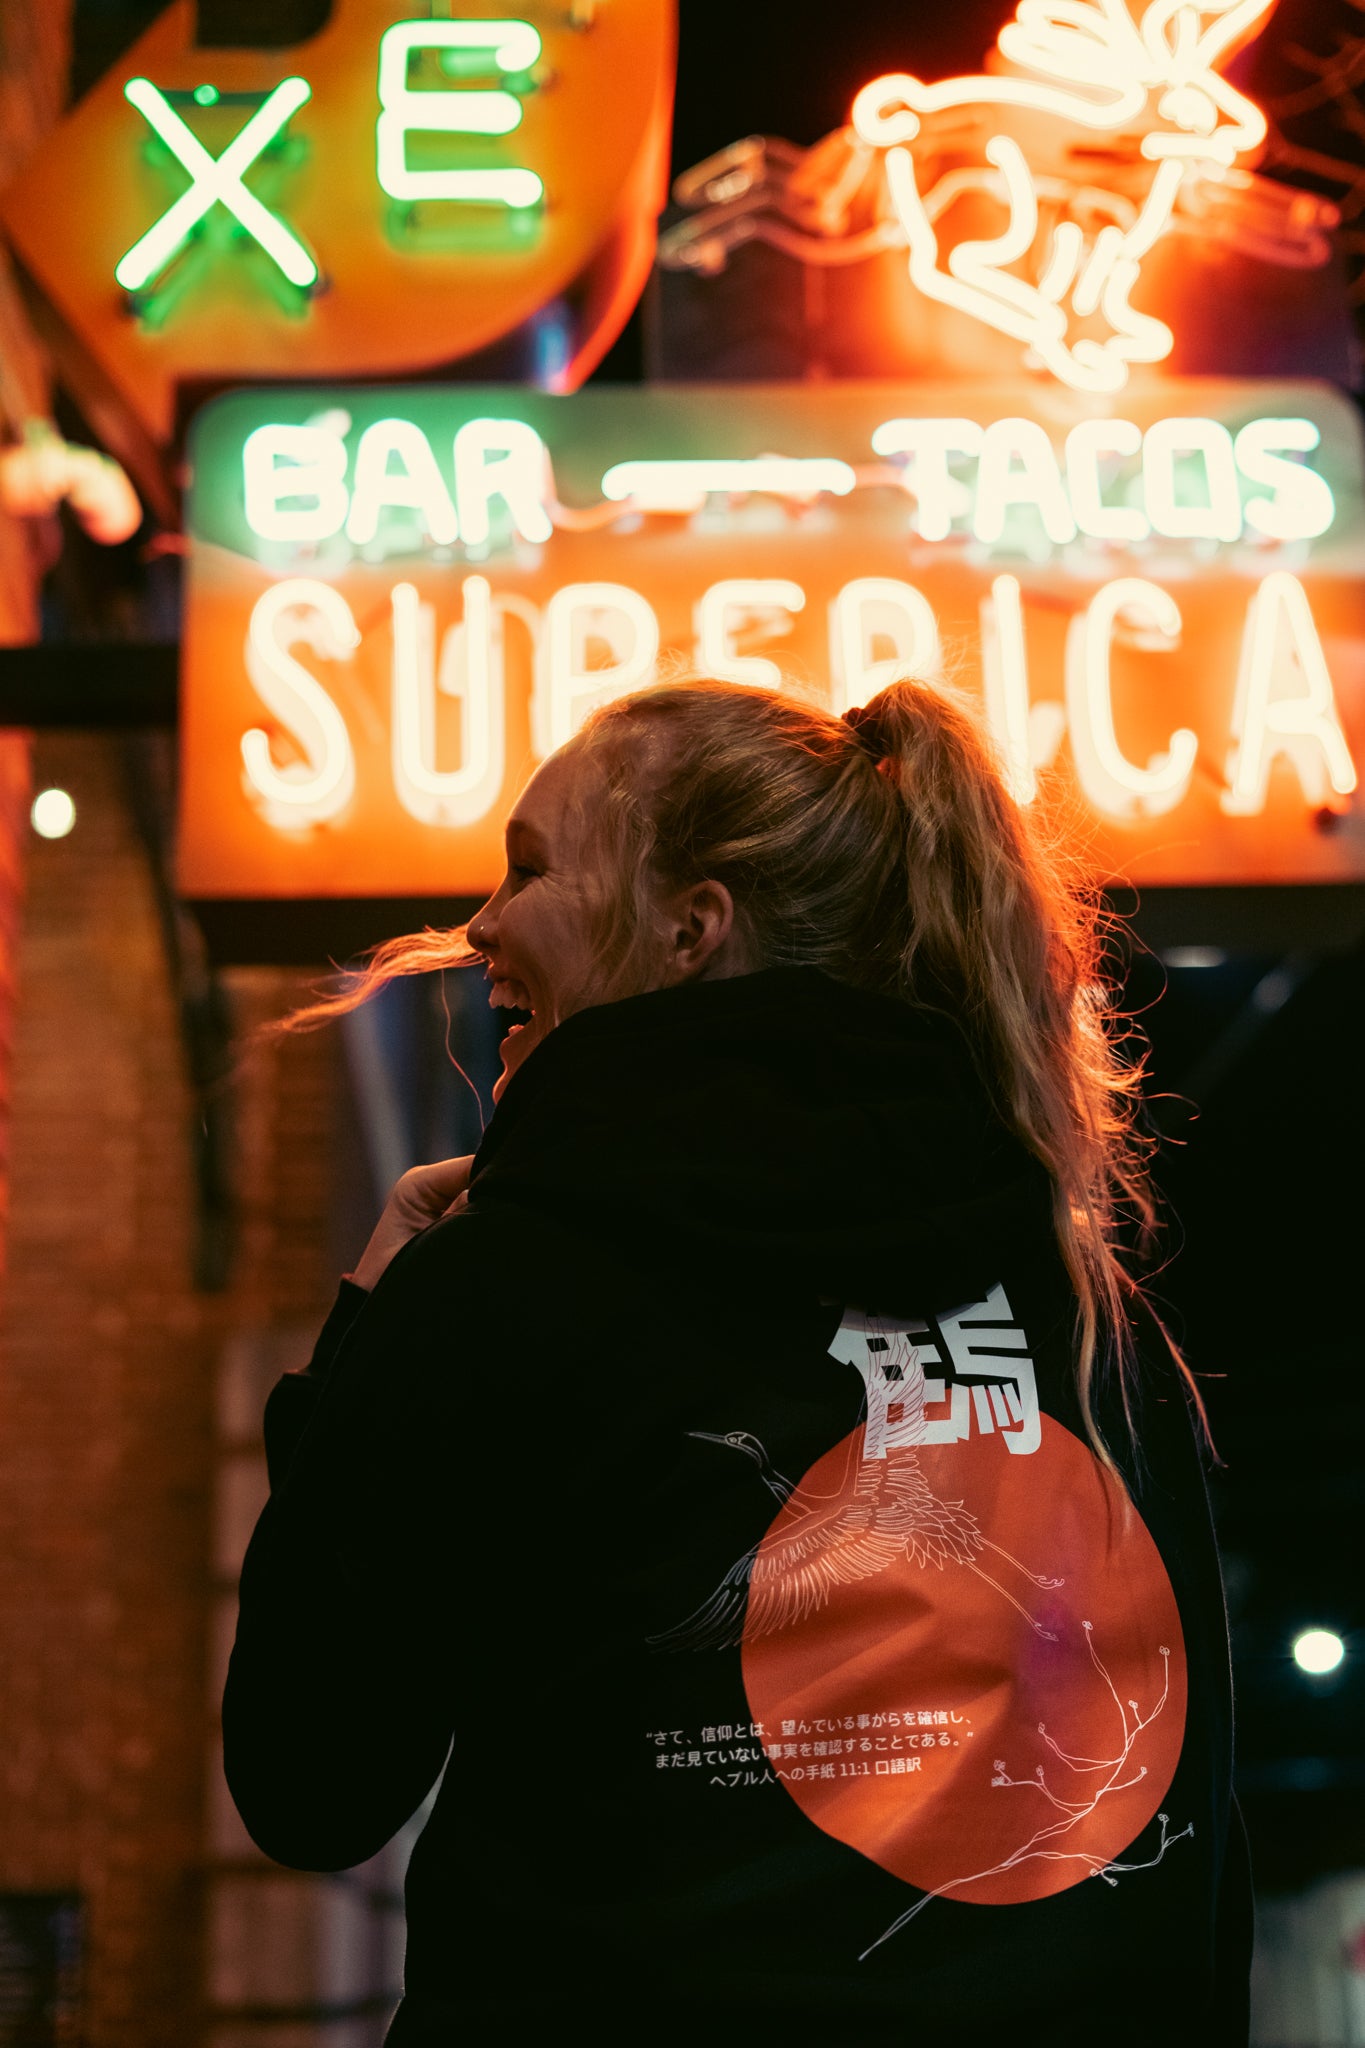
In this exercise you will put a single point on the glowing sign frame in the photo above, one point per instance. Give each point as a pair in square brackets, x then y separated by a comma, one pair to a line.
[528, 557]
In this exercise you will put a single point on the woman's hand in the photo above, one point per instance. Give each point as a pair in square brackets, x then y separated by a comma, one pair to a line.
[420, 1198]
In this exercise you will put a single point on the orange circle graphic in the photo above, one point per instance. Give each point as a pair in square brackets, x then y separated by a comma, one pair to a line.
[975, 1673]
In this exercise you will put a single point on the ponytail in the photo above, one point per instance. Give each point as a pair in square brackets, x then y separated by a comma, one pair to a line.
[1002, 936]
[885, 848]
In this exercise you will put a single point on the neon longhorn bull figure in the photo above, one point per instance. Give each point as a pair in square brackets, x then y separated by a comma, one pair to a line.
[1073, 246]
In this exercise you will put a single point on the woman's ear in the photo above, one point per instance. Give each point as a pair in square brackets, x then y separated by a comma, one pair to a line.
[699, 923]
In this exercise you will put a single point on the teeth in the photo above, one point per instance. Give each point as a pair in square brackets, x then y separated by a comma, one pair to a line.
[508, 995]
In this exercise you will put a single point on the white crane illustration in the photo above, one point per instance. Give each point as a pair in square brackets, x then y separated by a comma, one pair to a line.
[890, 1514]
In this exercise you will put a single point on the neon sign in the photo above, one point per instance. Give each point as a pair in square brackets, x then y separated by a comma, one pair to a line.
[510, 47]
[320, 782]
[398, 600]
[1190, 480]
[215, 181]
[1088, 66]
[388, 162]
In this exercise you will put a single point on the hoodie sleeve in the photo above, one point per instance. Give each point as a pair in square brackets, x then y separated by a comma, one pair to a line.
[294, 1395]
[339, 1705]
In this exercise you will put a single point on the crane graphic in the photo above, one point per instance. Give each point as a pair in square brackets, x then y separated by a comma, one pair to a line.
[822, 1543]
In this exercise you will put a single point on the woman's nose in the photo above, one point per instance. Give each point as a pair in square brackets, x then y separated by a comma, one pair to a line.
[482, 929]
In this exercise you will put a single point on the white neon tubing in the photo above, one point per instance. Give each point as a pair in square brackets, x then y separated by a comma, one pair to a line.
[1186, 63]
[1068, 247]
[1004, 667]
[983, 263]
[1221, 517]
[1084, 446]
[939, 495]
[281, 461]
[1037, 482]
[419, 486]
[1097, 70]
[683, 486]
[716, 614]
[1011, 305]
[1280, 646]
[512, 47]
[502, 459]
[1008, 307]
[1097, 271]
[215, 181]
[471, 670]
[1113, 783]
[322, 784]
[567, 689]
[879, 606]
[888, 110]
[516, 188]
[1302, 505]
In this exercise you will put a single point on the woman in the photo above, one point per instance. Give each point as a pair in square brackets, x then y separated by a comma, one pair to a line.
[762, 1491]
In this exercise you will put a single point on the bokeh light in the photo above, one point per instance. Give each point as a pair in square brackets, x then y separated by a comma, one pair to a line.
[53, 814]
[1318, 1650]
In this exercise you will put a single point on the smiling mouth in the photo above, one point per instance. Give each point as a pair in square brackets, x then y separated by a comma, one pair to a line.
[513, 999]
[518, 1040]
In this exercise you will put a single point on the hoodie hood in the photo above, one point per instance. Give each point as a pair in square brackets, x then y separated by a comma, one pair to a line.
[796, 1131]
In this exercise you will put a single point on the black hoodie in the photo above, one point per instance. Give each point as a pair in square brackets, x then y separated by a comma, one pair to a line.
[712, 1501]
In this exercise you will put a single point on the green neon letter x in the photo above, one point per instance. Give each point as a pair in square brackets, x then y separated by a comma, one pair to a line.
[216, 181]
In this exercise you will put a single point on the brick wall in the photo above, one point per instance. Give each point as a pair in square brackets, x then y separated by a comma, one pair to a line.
[130, 1462]
[111, 1429]
[34, 52]
[105, 1449]
[292, 1961]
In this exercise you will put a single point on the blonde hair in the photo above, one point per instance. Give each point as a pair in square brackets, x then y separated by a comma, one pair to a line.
[884, 848]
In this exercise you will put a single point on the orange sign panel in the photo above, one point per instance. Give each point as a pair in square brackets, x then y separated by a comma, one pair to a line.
[399, 600]
[393, 195]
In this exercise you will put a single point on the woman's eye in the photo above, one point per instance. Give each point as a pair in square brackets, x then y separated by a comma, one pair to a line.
[522, 874]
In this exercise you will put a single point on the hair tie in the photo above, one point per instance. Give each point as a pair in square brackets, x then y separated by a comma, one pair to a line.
[867, 730]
